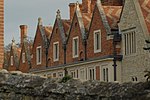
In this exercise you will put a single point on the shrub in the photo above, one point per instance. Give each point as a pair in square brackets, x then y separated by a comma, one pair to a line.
[66, 78]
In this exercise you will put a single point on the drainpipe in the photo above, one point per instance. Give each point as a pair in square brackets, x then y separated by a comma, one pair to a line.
[85, 51]
[114, 60]
[115, 40]
[65, 53]
[46, 56]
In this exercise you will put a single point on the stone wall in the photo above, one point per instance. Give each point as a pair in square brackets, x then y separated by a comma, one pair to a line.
[19, 86]
[134, 65]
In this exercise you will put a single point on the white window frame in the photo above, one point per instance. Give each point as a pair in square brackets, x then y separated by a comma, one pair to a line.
[73, 47]
[82, 74]
[37, 55]
[23, 57]
[93, 70]
[73, 73]
[11, 60]
[105, 74]
[95, 42]
[54, 51]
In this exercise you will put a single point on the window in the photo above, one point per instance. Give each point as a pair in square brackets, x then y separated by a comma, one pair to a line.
[38, 55]
[54, 75]
[130, 43]
[75, 47]
[60, 74]
[97, 41]
[49, 75]
[82, 74]
[105, 74]
[73, 74]
[23, 57]
[56, 51]
[91, 74]
[11, 61]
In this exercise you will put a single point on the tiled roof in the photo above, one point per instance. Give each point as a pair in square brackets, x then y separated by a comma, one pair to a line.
[145, 7]
[66, 25]
[86, 20]
[48, 30]
[113, 15]
[103, 17]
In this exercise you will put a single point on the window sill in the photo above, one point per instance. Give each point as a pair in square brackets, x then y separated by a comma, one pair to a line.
[76, 56]
[55, 60]
[97, 51]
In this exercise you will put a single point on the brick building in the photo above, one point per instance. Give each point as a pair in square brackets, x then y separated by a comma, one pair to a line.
[83, 45]
[91, 45]
[1, 33]
[13, 62]
[40, 45]
[25, 56]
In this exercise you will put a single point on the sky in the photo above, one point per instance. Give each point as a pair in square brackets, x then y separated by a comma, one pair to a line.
[27, 12]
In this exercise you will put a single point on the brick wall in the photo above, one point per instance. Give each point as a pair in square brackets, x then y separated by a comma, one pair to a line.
[75, 31]
[1, 33]
[106, 45]
[23, 67]
[38, 42]
[56, 37]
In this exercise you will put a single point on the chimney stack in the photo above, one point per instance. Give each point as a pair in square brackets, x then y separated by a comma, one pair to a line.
[86, 6]
[23, 33]
[93, 2]
[72, 7]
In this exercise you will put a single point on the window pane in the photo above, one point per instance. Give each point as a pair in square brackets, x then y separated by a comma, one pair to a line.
[90, 74]
[107, 74]
[75, 46]
[39, 54]
[11, 61]
[56, 51]
[104, 74]
[93, 74]
[97, 41]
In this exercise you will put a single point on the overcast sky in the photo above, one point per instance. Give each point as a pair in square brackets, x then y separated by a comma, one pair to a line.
[19, 12]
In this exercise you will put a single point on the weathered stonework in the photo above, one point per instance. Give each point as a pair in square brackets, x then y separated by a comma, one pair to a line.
[134, 65]
[19, 86]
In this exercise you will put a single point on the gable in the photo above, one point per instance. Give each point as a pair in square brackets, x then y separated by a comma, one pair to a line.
[74, 27]
[96, 22]
[38, 38]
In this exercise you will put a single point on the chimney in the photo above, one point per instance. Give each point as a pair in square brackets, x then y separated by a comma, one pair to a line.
[72, 7]
[93, 2]
[86, 6]
[23, 33]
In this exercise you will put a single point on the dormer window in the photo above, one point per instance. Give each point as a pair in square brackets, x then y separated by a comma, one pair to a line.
[75, 47]
[23, 57]
[97, 41]
[38, 55]
[11, 60]
[56, 51]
